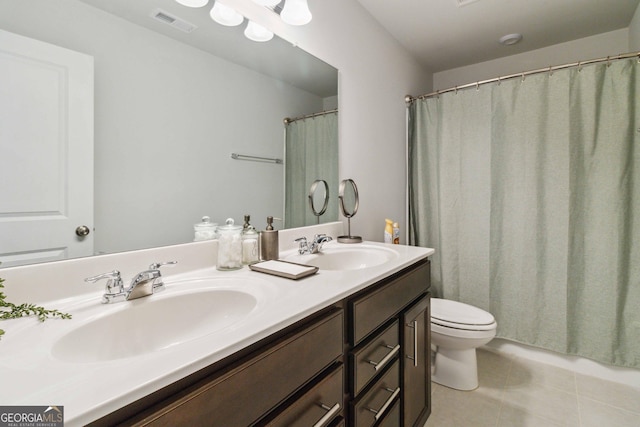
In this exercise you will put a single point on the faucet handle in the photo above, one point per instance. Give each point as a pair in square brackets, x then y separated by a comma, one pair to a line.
[114, 284]
[303, 245]
[157, 265]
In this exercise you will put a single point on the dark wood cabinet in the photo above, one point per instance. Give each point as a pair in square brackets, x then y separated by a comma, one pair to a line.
[388, 329]
[266, 382]
[416, 370]
[367, 366]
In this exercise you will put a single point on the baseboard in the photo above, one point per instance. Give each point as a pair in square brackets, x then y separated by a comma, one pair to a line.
[579, 365]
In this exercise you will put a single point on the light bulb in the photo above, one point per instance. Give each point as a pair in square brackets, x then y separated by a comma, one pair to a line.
[225, 15]
[267, 3]
[296, 12]
[193, 3]
[257, 32]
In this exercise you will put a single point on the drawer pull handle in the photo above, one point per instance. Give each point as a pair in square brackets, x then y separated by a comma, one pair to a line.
[380, 412]
[329, 415]
[379, 365]
[415, 342]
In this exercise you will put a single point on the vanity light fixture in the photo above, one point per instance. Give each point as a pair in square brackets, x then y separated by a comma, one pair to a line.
[510, 39]
[257, 32]
[292, 12]
[225, 15]
[193, 3]
[296, 12]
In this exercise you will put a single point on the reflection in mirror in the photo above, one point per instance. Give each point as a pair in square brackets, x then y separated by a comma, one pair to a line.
[349, 202]
[311, 147]
[319, 198]
[169, 109]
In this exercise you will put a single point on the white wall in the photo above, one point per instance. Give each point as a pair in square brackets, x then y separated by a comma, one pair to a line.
[634, 32]
[375, 75]
[167, 118]
[598, 46]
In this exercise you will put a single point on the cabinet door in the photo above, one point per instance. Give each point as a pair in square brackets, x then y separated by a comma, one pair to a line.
[416, 363]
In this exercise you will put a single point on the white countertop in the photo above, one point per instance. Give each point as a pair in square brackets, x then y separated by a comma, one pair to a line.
[31, 375]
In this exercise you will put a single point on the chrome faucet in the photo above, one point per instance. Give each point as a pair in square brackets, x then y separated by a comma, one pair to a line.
[143, 284]
[315, 246]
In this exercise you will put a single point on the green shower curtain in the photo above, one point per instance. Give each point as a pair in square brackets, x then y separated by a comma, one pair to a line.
[311, 152]
[529, 189]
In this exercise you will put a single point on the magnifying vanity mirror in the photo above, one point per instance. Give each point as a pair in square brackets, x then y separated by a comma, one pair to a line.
[349, 202]
[169, 108]
[319, 198]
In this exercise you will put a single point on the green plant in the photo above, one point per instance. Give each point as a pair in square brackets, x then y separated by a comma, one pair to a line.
[9, 310]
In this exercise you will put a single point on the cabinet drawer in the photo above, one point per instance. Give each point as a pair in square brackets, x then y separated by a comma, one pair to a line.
[373, 309]
[392, 419]
[319, 406]
[378, 401]
[246, 392]
[372, 358]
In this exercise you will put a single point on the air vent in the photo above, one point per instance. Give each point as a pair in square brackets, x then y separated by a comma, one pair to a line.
[461, 3]
[169, 19]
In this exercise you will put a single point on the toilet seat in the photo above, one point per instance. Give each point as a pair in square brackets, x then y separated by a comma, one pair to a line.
[458, 315]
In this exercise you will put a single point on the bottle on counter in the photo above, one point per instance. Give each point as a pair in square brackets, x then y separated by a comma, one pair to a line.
[388, 231]
[269, 244]
[229, 246]
[396, 233]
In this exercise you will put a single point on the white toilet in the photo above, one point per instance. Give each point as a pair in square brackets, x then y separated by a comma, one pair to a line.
[457, 329]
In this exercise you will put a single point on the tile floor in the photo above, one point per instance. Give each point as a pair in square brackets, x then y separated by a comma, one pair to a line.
[516, 392]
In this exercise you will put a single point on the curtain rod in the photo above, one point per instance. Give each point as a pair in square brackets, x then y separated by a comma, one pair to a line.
[288, 120]
[409, 99]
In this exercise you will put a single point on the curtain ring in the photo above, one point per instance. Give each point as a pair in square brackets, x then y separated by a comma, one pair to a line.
[477, 85]
[550, 71]
[608, 61]
[456, 90]
[638, 59]
[437, 94]
[579, 66]
[499, 81]
[522, 78]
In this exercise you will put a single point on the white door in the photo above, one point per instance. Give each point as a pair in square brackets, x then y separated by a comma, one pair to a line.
[46, 151]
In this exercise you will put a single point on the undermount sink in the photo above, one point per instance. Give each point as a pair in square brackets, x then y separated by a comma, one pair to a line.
[154, 323]
[338, 256]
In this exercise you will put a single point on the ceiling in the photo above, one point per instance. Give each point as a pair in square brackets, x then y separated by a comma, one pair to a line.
[441, 34]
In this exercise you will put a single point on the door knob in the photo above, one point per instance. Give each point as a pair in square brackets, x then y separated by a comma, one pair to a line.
[82, 231]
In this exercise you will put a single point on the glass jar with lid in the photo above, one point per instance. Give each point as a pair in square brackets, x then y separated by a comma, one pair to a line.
[229, 246]
[250, 253]
[205, 230]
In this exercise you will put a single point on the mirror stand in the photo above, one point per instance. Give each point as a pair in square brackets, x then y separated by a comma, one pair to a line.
[312, 198]
[349, 190]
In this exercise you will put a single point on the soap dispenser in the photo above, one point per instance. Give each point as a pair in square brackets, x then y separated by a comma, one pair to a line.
[269, 242]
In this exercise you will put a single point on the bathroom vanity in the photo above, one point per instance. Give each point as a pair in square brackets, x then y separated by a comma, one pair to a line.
[360, 360]
[346, 346]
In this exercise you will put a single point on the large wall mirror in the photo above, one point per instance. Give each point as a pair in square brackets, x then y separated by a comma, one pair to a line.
[170, 108]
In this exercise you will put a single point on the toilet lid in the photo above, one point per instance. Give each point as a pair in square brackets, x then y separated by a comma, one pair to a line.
[454, 313]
